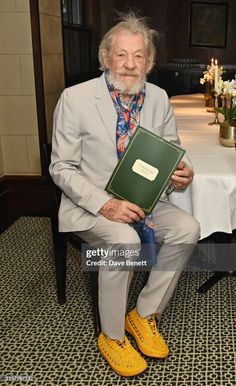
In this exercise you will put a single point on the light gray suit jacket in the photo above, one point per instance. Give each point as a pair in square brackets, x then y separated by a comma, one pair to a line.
[84, 146]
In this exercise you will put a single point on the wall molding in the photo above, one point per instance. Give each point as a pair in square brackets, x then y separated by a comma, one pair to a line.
[38, 77]
[23, 196]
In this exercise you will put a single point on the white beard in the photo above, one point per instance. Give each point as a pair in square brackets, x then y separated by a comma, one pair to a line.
[124, 89]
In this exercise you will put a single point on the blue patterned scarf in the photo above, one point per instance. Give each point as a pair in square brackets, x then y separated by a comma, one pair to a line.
[128, 116]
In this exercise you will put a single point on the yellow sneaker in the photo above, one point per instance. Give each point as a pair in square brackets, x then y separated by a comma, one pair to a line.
[146, 334]
[121, 356]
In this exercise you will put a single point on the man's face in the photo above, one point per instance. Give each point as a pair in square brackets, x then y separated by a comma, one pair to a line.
[127, 62]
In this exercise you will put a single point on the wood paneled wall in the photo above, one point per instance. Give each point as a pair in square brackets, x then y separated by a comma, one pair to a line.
[171, 19]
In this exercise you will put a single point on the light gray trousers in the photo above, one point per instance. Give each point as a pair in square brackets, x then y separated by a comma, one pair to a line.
[179, 233]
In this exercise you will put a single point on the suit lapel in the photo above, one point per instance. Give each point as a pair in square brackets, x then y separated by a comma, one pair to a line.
[146, 116]
[106, 108]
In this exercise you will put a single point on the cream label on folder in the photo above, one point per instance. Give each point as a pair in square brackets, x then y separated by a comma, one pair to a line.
[145, 170]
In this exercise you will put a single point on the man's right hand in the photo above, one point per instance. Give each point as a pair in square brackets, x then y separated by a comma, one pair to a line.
[121, 211]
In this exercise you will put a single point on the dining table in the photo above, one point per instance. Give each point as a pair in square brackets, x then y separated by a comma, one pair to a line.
[211, 198]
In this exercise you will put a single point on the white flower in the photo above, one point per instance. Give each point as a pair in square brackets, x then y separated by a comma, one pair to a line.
[209, 74]
[227, 87]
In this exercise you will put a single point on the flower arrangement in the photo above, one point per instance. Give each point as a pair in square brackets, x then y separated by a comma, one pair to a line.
[227, 90]
[226, 87]
[209, 77]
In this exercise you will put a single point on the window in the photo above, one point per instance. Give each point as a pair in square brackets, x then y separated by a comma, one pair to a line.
[72, 12]
[77, 42]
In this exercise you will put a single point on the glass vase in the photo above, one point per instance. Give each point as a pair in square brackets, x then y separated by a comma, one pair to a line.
[227, 134]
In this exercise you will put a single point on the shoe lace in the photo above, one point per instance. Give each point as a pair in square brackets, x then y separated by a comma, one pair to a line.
[121, 343]
[152, 325]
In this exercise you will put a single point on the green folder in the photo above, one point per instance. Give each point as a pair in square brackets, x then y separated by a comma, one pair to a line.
[144, 171]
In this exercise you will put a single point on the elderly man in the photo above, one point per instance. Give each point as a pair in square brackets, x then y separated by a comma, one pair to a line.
[93, 122]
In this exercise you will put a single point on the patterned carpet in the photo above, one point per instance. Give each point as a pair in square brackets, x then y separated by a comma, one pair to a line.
[43, 343]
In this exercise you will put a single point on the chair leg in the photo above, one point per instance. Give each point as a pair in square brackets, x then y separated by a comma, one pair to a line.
[60, 253]
[94, 297]
[218, 238]
[60, 263]
[211, 281]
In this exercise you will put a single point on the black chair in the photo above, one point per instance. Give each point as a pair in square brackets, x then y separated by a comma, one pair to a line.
[60, 240]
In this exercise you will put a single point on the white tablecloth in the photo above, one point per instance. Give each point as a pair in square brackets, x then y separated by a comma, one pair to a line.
[211, 199]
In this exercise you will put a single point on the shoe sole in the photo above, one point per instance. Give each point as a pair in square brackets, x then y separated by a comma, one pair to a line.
[122, 373]
[149, 354]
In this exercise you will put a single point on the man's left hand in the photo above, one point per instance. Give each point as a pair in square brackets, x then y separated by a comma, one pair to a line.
[182, 176]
